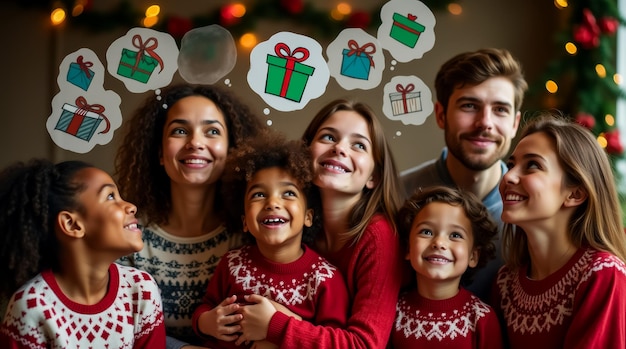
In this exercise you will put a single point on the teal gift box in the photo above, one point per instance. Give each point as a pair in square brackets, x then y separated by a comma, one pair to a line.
[406, 30]
[78, 122]
[286, 77]
[356, 65]
[136, 68]
[79, 74]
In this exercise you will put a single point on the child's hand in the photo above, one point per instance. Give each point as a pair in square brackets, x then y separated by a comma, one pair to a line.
[256, 318]
[221, 321]
[283, 309]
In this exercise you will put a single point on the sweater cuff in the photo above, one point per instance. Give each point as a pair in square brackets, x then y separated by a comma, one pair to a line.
[277, 326]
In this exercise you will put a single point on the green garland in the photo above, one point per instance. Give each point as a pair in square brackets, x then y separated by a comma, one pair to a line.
[126, 15]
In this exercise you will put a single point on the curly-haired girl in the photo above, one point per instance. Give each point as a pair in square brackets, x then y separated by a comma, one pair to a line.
[62, 228]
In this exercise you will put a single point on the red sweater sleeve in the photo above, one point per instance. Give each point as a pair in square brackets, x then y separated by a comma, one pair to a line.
[214, 294]
[332, 303]
[599, 319]
[373, 271]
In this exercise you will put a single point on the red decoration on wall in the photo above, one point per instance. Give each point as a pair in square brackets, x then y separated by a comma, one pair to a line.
[585, 119]
[359, 19]
[613, 143]
[294, 7]
[177, 26]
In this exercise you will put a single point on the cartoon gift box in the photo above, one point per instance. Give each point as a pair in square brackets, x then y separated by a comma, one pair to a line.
[79, 73]
[139, 65]
[406, 30]
[82, 120]
[357, 60]
[405, 100]
[286, 75]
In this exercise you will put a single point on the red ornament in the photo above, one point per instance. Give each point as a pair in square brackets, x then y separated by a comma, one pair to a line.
[608, 25]
[359, 19]
[227, 17]
[294, 7]
[613, 142]
[585, 37]
[590, 21]
[178, 26]
[586, 120]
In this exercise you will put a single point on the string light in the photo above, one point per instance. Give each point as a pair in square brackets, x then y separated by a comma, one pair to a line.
[609, 119]
[602, 140]
[560, 4]
[341, 11]
[571, 48]
[617, 78]
[153, 11]
[600, 70]
[455, 9]
[57, 16]
[248, 40]
[551, 86]
[150, 21]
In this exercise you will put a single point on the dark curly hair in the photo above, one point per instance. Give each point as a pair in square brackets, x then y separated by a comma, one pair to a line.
[268, 149]
[484, 228]
[139, 174]
[31, 196]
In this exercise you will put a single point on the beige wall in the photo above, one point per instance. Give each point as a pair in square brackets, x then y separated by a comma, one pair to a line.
[33, 53]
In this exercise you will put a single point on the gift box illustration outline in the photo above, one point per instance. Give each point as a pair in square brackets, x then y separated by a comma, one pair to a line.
[139, 65]
[287, 76]
[406, 30]
[82, 120]
[357, 60]
[79, 74]
[405, 101]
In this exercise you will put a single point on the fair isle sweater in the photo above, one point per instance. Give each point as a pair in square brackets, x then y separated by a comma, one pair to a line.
[182, 267]
[462, 322]
[373, 270]
[39, 315]
[310, 287]
[581, 305]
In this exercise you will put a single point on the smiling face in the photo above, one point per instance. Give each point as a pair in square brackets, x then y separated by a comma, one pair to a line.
[195, 141]
[480, 122]
[342, 154]
[441, 245]
[109, 221]
[534, 190]
[276, 212]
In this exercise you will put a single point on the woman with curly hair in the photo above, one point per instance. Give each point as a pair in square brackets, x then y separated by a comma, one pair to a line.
[170, 164]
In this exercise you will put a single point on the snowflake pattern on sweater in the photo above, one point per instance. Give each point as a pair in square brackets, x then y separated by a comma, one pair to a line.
[182, 267]
[39, 315]
[309, 286]
[581, 304]
[462, 321]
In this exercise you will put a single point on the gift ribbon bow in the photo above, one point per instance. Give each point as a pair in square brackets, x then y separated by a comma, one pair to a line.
[84, 66]
[369, 49]
[404, 90]
[300, 54]
[146, 47]
[411, 17]
[84, 107]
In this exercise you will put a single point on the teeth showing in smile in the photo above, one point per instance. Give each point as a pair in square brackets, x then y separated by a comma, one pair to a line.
[335, 168]
[195, 161]
[438, 259]
[513, 197]
[273, 221]
[132, 226]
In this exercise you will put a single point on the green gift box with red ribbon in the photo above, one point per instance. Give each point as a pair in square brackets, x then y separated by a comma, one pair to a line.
[82, 120]
[286, 75]
[139, 65]
[406, 30]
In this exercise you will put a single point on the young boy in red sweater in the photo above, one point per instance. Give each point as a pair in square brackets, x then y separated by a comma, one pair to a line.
[268, 181]
[447, 231]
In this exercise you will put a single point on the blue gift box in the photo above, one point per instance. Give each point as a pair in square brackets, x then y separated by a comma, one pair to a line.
[79, 74]
[356, 65]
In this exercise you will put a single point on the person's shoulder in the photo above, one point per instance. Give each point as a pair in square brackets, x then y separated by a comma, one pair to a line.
[137, 276]
[601, 261]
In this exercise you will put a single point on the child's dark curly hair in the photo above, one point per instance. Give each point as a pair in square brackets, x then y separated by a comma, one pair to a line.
[268, 149]
[138, 171]
[484, 228]
[31, 196]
